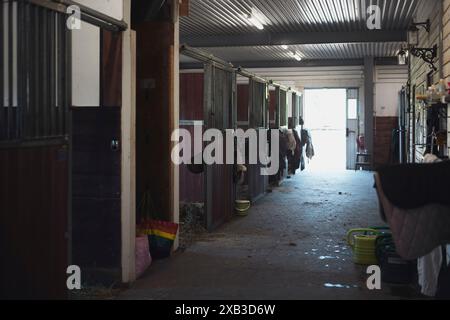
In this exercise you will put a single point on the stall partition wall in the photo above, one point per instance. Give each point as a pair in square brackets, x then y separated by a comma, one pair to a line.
[220, 112]
[34, 151]
[191, 115]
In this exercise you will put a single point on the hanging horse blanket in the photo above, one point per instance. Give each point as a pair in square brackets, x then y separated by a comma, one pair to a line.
[414, 186]
[416, 232]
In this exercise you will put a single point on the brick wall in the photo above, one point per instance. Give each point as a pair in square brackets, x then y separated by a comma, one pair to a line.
[384, 127]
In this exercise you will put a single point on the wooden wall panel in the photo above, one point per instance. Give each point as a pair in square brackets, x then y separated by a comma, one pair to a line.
[111, 70]
[242, 102]
[33, 222]
[191, 96]
[419, 69]
[154, 117]
[446, 54]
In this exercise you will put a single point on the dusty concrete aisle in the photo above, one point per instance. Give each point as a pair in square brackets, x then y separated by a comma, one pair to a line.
[291, 246]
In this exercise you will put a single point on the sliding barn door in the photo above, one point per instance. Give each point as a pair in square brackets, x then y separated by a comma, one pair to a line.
[220, 113]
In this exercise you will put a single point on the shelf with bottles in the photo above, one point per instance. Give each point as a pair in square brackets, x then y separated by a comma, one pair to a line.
[436, 95]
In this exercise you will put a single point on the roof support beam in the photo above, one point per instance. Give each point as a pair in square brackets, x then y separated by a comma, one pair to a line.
[295, 38]
[304, 63]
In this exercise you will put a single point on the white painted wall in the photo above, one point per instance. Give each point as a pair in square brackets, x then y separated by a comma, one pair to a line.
[113, 8]
[86, 66]
[86, 55]
[388, 83]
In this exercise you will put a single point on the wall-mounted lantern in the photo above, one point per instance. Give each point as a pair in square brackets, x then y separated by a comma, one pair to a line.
[426, 54]
[403, 57]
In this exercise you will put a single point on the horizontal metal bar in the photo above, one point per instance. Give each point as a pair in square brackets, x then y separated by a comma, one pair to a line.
[277, 85]
[296, 38]
[41, 142]
[380, 61]
[203, 56]
[252, 76]
[192, 122]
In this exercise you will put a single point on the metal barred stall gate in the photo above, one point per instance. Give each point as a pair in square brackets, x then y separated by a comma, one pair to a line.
[36, 146]
[220, 112]
[259, 120]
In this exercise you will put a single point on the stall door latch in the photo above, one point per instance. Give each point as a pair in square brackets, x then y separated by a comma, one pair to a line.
[115, 145]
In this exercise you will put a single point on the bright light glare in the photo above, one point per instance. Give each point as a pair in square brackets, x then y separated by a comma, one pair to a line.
[325, 116]
[256, 23]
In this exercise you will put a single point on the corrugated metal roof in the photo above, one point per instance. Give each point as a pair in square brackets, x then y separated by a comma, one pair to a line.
[216, 17]
[307, 52]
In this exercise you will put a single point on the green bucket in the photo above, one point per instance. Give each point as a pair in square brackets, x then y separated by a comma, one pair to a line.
[242, 207]
[363, 244]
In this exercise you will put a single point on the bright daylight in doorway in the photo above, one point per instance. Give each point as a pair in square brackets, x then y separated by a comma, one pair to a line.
[326, 118]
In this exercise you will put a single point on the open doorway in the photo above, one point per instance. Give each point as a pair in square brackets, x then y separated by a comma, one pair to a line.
[327, 114]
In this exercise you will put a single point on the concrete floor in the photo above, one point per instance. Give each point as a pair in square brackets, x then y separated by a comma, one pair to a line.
[291, 246]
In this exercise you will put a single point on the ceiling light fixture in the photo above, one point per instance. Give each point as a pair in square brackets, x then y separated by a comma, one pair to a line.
[297, 56]
[256, 18]
[285, 47]
[255, 22]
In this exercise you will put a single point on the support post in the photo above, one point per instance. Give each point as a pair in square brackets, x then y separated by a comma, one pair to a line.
[128, 128]
[369, 73]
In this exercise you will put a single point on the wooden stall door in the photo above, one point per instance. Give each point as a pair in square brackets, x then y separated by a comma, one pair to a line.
[33, 221]
[220, 113]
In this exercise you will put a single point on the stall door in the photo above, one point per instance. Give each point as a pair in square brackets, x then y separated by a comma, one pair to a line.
[352, 127]
[34, 152]
[220, 113]
[257, 183]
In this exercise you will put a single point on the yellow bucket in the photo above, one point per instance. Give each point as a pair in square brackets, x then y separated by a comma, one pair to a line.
[242, 207]
[363, 243]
